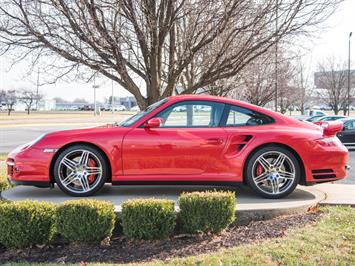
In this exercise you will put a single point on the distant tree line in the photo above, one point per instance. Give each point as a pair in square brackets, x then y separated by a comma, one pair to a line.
[9, 98]
[151, 48]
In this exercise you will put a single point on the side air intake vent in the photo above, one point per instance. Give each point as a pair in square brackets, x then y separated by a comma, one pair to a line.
[323, 174]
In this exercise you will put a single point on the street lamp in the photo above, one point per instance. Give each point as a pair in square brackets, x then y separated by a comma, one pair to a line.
[112, 98]
[95, 105]
[276, 54]
[349, 74]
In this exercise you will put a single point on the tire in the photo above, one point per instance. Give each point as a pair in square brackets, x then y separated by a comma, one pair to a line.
[80, 170]
[277, 176]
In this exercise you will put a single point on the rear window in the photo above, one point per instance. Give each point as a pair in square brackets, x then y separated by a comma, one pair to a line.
[239, 116]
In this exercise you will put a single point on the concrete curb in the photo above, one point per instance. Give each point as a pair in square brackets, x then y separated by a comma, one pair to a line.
[249, 206]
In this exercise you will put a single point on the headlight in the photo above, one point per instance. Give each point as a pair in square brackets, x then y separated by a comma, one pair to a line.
[31, 143]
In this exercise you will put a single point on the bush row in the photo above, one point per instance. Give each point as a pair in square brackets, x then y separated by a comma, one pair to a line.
[28, 223]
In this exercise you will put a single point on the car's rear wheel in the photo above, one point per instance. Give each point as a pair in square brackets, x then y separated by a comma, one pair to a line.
[273, 172]
[80, 170]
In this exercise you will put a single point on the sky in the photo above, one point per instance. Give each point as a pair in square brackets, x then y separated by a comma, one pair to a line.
[332, 40]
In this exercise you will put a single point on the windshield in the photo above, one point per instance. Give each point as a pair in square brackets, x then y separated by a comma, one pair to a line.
[133, 119]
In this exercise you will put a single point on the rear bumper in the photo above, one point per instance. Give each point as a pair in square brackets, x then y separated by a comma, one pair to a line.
[325, 180]
[326, 164]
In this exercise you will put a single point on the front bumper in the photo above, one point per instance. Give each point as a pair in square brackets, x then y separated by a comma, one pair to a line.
[29, 167]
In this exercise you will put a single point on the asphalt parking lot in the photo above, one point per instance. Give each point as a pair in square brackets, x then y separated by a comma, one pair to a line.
[11, 137]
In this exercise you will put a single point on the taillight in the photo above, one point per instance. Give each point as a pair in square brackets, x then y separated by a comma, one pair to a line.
[330, 141]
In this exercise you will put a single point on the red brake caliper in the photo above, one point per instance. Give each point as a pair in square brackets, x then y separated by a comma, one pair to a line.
[259, 170]
[91, 178]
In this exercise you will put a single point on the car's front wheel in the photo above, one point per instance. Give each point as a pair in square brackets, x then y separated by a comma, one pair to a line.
[273, 172]
[80, 170]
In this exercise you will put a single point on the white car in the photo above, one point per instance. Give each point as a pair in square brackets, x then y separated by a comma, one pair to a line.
[119, 108]
[135, 109]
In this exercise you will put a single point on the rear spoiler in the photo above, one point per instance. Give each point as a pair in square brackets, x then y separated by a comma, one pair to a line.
[331, 128]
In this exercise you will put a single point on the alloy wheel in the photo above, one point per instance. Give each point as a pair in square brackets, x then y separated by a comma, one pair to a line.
[80, 171]
[273, 172]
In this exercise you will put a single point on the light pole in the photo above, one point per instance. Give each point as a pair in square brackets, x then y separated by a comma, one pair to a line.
[37, 90]
[95, 87]
[112, 98]
[276, 54]
[349, 74]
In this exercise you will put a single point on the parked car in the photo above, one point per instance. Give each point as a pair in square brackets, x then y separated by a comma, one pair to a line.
[314, 118]
[120, 108]
[315, 112]
[87, 108]
[347, 134]
[234, 142]
[328, 118]
[135, 109]
[74, 108]
[309, 114]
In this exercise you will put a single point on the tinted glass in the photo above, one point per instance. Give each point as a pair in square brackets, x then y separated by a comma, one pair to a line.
[192, 114]
[349, 125]
[239, 116]
[133, 119]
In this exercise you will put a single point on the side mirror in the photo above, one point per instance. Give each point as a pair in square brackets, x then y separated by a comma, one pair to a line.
[153, 122]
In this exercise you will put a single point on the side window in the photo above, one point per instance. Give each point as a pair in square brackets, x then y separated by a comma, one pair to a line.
[350, 125]
[239, 116]
[192, 114]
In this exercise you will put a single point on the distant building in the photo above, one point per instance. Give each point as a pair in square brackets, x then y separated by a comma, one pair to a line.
[128, 101]
[70, 106]
[46, 105]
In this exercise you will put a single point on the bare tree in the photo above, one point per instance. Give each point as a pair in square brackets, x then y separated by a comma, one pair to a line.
[60, 100]
[301, 81]
[153, 43]
[9, 98]
[80, 100]
[331, 79]
[30, 98]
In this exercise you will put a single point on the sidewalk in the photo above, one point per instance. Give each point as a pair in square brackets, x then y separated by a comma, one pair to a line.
[337, 194]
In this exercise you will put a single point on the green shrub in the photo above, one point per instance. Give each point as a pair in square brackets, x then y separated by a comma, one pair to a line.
[4, 185]
[148, 219]
[85, 220]
[25, 223]
[210, 211]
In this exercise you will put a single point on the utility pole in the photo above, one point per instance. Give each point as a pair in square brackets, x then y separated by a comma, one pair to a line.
[276, 53]
[112, 98]
[350, 34]
[95, 87]
[37, 89]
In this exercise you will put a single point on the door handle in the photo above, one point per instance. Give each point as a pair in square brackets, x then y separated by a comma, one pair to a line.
[215, 141]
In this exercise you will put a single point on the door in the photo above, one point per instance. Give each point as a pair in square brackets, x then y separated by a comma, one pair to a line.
[189, 143]
[347, 136]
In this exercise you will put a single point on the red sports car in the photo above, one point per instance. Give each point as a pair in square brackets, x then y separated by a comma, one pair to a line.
[186, 139]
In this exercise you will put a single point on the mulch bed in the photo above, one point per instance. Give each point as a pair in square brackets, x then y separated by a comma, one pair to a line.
[122, 251]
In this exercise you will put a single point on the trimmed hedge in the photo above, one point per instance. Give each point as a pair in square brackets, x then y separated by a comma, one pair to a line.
[209, 211]
[4, 185]
[148, 219]
[26, 223]
[85, 220]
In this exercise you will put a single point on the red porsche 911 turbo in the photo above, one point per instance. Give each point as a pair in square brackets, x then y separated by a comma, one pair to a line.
[186, 139]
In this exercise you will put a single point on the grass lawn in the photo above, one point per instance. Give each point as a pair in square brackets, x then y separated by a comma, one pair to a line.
[330, 241]
[57, 115]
